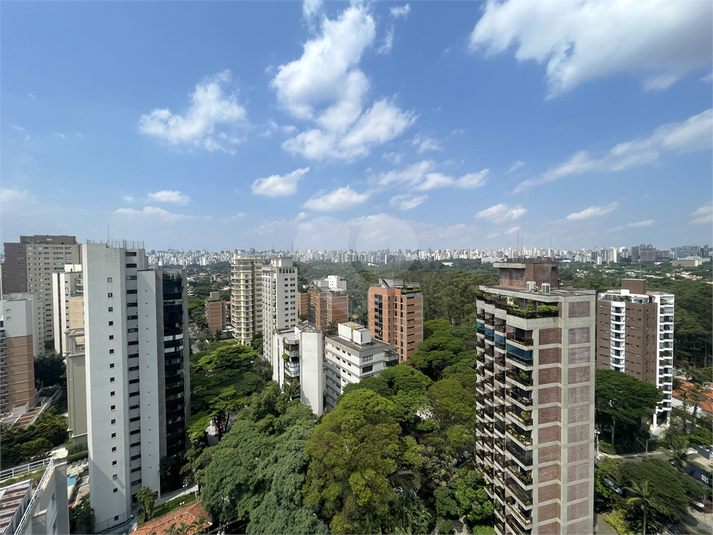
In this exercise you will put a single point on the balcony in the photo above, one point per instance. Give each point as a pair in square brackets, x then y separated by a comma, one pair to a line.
[525, 519]
[523, 417]
[519, 398]
[519, 356]
[523, 476]
[523, 437]
[522, 377]
[521, 339]
[524, 457]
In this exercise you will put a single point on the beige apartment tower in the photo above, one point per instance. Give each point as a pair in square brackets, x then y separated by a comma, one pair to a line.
[535, 400]
[396, 315]
[246, 297]
[28, 267]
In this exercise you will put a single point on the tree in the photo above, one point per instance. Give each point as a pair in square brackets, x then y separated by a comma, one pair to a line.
[355, 455]
[81, 517]
[679, 449]
[50, 370]
[472, 500]
[622, 399]
[643, 500]
[147, 498]
[170, 473]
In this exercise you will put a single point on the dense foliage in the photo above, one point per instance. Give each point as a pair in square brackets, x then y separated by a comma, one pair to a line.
[50, 370]
[22, 445]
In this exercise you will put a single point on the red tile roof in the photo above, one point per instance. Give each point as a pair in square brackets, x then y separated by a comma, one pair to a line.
[188, 514]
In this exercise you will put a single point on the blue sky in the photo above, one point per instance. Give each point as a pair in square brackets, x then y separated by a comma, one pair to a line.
[334, 125]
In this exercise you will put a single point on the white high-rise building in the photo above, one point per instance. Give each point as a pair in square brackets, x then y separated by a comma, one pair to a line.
[297, 358]
[279, 300]
[246, 297]
[137, 377]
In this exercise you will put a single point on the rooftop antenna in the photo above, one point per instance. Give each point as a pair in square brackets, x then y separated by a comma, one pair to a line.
[108, 234]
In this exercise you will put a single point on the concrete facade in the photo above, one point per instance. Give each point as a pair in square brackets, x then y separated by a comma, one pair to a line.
[28, 267]
[19, 339]
[352, 355]
[279, 302]
[246, 297]
[635, 336]
[138, 386]
[396, 315]
[535, 397]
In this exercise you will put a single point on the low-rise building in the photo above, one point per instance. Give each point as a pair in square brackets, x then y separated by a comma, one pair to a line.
[352, 355]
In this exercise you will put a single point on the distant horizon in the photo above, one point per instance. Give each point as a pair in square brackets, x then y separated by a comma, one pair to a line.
[357, 125]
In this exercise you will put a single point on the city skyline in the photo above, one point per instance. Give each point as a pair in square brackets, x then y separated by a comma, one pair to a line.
[366, 126]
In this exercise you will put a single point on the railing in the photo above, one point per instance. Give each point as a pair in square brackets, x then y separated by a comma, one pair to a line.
[519, 418]
[519, 340]
[526, 521]
[525, 380]
[521, 494]
[15, 471]
[524, 477]
[517, 397]
[525, 457]
[29, 513]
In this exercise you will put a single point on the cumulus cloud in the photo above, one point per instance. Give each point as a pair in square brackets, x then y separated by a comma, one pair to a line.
[209, 108]
[420, 177]
[169, 196]
[327, 87]
[704, 215]
[588, 39]
[407, 201]
[9, 196]
[400, 11]
[278, 186]
[150, 213]
[339, 199]
[426, 144]
[691, 135]
[637, 224]
[388, 43]
[501, 213]
[593, 211]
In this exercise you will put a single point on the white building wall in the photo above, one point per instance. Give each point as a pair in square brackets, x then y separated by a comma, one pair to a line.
[312, 371]
[279, 303]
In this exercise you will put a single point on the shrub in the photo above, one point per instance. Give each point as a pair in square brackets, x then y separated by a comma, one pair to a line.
[618, 522]
[444, 526]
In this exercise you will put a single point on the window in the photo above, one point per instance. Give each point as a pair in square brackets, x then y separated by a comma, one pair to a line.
[113, 407]
[113, 422]
[367, 369]
[108, 279]
[111, 309]
[110, 294]
[116, 490]
[111, 323]
[113, 449]
[111, 364]
[132, 318]
[113, 463]
[131, 291]
[130, 253]
[112, 393]
[130, 265]
[111, 337]
[131, 277]
[111, 379]
[113, 435]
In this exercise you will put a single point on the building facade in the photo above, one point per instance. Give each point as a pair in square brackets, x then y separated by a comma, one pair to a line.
[325, 308]
[279, 300]
[396, 315]
[246, 297]
[297, 361]
[138, 385]
[535, 400]
[28, 267]
[216, 313]
[19, 339]
[635, 336]
[352, 355]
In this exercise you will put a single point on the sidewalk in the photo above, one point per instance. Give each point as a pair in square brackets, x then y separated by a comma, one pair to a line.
[177, 493]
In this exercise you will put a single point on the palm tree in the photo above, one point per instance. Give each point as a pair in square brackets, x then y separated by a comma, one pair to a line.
[645, 500]
[679, 450]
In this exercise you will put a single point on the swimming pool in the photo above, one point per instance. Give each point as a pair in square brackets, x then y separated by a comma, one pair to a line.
[71, 480]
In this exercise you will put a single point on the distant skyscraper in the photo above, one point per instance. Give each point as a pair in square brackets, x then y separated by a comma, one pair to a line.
[535, 400]
[396, 315]
[635, 336]
[246, 297]
[138, 386]
[28, 268]
[18, 343]
[279, 300]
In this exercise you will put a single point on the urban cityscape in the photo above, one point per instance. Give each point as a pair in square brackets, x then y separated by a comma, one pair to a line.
[356, 268]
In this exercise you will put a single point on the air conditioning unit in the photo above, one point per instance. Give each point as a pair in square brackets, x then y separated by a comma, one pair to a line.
[531, 286]
[546, 288]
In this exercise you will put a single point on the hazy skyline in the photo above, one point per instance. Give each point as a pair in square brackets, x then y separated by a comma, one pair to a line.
[232, 125]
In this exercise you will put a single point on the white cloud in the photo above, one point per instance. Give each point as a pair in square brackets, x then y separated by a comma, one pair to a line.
[401, 11]
[420, 177]
[516, 165]
[59, 135]
[326, 86]
[79, 134]
[10, 196]
[593, 211]
[691, 135]
[128, 198]
[388, 43]
[310, 8]
[500, 213]
[210, 107]
[278, 186]
[393, 157]
[339, 199]
[708, 77]
[150, 213]
[426, 144]
[27, 137]
[645, 223]
[587, 39]
[17, 128]
[407, 201]
[704, 215]
[33, 97]
[169, 196]
[512, 230]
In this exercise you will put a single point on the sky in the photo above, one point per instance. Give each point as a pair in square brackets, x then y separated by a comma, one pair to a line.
[363, 125]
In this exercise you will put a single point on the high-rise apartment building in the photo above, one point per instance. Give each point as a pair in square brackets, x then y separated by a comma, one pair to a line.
[18, 342]
[396, 315]
[216, 313]
[28, 268]
[246, 297]
[327, 307]
[68, 317]
[635, 336]
[279, 300]
[297, 359]
[352, 355]
[137, 380]
[535, 400]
